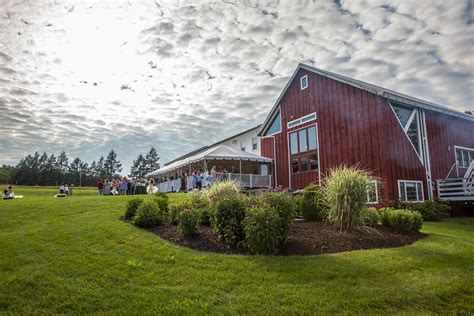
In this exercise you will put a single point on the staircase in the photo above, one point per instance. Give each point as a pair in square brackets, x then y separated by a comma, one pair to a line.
[457, 189]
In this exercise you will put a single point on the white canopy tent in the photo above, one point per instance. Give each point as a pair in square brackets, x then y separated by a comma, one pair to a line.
[220, 152]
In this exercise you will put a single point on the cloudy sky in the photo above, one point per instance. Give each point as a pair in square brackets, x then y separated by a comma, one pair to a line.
[88, 76]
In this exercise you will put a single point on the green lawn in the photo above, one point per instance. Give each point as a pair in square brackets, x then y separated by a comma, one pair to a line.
[74, 255]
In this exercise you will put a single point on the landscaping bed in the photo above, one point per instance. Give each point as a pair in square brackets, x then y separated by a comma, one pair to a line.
[305, 238]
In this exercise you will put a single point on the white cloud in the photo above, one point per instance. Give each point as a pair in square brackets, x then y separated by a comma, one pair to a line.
[87, 77]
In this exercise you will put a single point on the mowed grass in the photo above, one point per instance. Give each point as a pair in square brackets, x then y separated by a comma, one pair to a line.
[74, 255]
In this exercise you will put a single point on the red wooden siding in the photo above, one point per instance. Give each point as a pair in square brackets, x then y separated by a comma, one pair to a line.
[444, 132]
[355, 127]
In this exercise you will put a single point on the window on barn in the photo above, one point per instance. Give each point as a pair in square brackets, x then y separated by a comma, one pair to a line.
[372, 193]
[303, 150]
[302, 120]
[275, 126]
[408, 118]
[464, 157]
[254, 143]
[410, 191]
[304, 82]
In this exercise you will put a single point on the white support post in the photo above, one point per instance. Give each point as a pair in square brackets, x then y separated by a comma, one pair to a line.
[251, 181]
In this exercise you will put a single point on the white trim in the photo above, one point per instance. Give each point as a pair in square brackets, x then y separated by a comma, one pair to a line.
[414, 111]
[403, 128]
[300, 120]
[301, 82]
[426, 152]
[376, 193]
[463, 149]
[281, 126]
[290, 173]
[416, 188]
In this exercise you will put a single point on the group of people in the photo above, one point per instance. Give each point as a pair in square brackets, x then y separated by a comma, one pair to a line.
[66, 190]
[199, 178]
[123, 186]
[8, 193]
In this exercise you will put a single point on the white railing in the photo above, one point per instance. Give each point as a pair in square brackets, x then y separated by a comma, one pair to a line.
[244, 180]
[458, 189]
[169, 186]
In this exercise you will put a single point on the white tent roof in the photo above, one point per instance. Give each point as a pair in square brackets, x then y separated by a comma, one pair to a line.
[220, 152]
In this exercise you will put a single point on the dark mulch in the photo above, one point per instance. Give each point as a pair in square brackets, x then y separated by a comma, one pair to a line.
[305, 238]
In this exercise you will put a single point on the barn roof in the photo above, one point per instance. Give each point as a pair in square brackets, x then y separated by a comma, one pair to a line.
[383, 92]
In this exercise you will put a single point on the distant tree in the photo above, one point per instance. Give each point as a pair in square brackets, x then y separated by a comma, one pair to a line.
[151, 160]
[50, 171]
[100, 170]
[62, 165]
[7, 174]
[42, 169]
[93, 169]
[139, 167]
[112, 165]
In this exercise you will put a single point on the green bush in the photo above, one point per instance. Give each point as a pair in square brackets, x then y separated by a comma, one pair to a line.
[313, 206]
[226, 218]
[346, 195]
[262, 227]
[417, 221]
[148, 214]
[200, 203]
[370, 216]
[223, 189]
[162, 203]
[384, 212]
[131, 207]
[431, 210]
[286, 208]
[404, 220]
[188, 222]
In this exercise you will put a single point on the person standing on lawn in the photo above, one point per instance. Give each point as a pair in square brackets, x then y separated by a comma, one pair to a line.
[100, 186]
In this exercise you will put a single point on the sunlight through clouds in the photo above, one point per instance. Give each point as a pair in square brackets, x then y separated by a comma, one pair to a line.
[93, 75]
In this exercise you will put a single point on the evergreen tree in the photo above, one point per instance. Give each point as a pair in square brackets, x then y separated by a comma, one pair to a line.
[51, 171]
[100, 171]
[74, 170]
[139, 167]
[112, 165]
[151, 160]
[92, 171]
[42, 168]
[62, 165]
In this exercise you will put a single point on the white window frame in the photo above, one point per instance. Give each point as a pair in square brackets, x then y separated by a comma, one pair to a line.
[413, 116]
[242, 145]
[271, 121]
[376, 193]
[399, 182]
[301, 120]
[254, 143]
[464, 150]
[301, 82]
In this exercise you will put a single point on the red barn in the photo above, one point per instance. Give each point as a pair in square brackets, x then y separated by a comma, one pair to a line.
[417, 149]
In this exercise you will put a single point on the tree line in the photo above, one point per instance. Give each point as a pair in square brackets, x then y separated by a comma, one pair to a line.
[44, 169]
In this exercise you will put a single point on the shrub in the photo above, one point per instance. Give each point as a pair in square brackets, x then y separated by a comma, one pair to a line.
[404, 220]
[417, 221]
[346, 195]
[313, 205]
[162, 202]
[131, 207]
[401, 220]
[226, 218]
[384, 212]
[220, 190]
[200, 203]
[262, 227]
[431, 210]
[286, 208]
[175, 210]
[370, 216]
[148, 214]
[188, 222]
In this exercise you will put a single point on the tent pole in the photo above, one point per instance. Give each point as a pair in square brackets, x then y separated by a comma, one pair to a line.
[240, 171]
